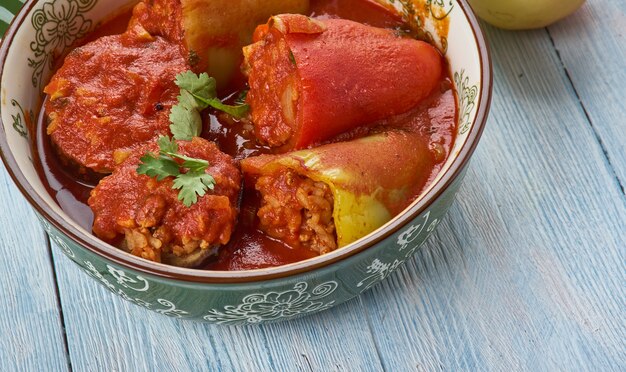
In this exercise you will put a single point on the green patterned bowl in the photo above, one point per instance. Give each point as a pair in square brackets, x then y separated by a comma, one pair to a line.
[42, 29]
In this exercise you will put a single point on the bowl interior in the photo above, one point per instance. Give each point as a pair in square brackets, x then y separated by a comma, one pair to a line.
[30, 48]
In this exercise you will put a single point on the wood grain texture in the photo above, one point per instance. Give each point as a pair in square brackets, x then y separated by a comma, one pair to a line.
[592, 47]
[528, 270]
[106, 333]
[31, 334]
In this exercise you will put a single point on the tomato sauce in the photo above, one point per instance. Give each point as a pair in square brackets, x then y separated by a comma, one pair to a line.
[434, 118]
[362, 11]
[94, 131]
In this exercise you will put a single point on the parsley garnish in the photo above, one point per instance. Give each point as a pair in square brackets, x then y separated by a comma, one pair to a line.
[191, 184]
[197, 92]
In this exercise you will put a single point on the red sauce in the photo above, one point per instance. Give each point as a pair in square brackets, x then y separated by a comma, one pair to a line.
[127, 203]
[249, 248]
[362, 11]
[435, 118]
[94, 130]
[114, 25]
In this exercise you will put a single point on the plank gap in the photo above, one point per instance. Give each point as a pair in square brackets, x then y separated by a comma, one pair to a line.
[587, 116]
[59, 304]
[368, 319]
[308, 362]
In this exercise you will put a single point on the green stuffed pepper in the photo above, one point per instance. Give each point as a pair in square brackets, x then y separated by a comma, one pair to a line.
[330, 196]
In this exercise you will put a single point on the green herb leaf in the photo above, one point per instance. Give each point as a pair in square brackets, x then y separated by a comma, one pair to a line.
[158, 167]
[241, 98]
[238, 112]
[197, 92]
[292, 58]
[199, 85]
[196, 165]
[187, 100]
[192, 185]
[167, 145]
[186, 123]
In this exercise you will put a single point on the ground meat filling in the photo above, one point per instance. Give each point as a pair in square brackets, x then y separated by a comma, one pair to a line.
[298, 211]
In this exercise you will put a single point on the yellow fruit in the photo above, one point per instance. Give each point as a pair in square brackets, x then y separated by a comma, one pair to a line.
[524, 14]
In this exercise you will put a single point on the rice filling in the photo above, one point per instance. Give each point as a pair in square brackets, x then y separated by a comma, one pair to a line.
[298, 211]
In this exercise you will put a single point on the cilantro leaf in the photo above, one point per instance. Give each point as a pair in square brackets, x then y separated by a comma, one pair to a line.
[238, 111]
[292, 58]
[199, 165]
[198, 85]
[241, 98]
[197, 92]
[192, 185]
[167, 145]
[158, 167]
[187, 100]
[186, 123]
[196, 165]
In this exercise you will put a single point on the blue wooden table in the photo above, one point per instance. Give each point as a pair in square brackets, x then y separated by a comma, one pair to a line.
[528, 272]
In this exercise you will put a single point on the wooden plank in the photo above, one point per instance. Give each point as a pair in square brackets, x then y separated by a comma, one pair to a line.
[8, 8]
[592, 46]
[31, 333]
[527, 272]
[109, 334]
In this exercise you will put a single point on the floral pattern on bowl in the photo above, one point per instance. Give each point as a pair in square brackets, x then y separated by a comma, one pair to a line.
[48, 27]
[57, 26]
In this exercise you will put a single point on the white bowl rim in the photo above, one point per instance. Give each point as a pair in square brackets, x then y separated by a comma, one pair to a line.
[146, 267]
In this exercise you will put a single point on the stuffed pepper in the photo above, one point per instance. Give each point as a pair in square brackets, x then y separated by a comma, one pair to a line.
[211, 32]
[311, 80]
[332, 195]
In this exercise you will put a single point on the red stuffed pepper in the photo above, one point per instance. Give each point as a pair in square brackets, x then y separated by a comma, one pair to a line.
[311, 80]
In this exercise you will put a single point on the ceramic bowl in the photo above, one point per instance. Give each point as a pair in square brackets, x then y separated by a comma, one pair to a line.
[43, 29]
